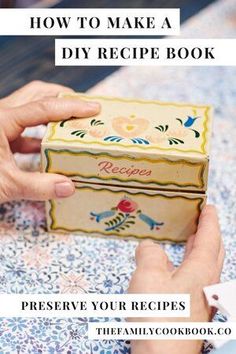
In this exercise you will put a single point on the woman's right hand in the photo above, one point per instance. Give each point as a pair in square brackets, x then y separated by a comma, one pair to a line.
[155, 274]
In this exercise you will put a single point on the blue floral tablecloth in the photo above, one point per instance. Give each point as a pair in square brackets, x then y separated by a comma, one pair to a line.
[33, 261]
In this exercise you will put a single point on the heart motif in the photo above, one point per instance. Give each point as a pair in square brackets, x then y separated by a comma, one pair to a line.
[129, 127]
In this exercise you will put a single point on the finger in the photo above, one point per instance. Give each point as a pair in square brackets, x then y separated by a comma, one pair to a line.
[189, 246]
[33, 91]
[202, 260]
[26, 145]
[42, 186]
[220, 263]
[218, 270]
[221, 257]
[207, 241]
[44, 111]
[151, 256]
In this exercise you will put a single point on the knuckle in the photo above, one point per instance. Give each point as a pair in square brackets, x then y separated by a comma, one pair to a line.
[35, 83]
[45, 105]
[5, 192]
[10, 188]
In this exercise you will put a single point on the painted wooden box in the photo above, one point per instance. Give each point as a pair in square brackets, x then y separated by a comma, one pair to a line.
[140, 169]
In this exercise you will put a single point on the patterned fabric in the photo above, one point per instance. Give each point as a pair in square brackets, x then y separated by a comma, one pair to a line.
[33, 261]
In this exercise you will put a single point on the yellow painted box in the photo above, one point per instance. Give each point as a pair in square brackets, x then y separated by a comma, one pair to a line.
[140, 169]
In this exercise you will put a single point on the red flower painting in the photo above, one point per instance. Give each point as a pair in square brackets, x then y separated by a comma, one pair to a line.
[127, 205]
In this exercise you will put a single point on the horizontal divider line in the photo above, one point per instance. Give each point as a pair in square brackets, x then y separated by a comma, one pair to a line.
[141, 187]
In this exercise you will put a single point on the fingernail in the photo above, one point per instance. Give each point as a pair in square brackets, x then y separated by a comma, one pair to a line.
[94, 105]
[64, 189]
[147, 242]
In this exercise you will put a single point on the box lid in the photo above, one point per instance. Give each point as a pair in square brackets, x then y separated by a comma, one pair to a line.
[159, 144]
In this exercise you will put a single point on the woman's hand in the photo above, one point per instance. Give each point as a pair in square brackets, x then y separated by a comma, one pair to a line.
[34, 104]
[201, 266]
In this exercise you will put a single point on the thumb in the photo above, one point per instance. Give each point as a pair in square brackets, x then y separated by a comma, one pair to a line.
[150, 255]
[42, 186]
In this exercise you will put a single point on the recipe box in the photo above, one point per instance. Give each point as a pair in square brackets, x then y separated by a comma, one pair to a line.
[140, 169]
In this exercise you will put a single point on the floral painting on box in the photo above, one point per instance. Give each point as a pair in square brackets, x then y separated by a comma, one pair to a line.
[123, 216]
[134, 130]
